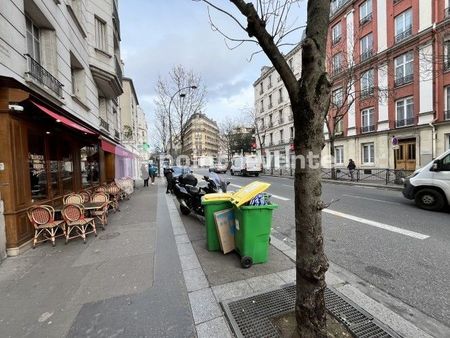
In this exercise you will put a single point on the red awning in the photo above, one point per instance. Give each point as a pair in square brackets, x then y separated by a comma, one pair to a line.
[63, 120]
[115, 149]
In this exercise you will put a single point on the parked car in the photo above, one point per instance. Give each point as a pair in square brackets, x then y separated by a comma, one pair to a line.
[246, 165]
[219, 168]
[429, 186]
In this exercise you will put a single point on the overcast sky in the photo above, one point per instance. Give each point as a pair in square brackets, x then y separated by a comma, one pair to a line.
[159, 34]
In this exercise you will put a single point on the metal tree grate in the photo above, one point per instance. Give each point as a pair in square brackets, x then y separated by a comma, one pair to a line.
[251, 317]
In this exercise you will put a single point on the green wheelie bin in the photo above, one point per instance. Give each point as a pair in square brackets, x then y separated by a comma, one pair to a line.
[253, 227]
[213, 203]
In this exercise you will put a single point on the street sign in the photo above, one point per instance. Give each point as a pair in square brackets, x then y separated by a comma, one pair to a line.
[394, 141]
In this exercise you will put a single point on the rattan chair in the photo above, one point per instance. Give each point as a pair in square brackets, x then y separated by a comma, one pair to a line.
[43, 219]
[102, 213]
[73, 215]
[86, 195]
[114, 193]
[101, 188]
[73, 199]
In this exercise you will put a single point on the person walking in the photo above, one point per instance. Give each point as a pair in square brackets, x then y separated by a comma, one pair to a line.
[351, 169]
[152, 170]
[168, 172]
[144, 174]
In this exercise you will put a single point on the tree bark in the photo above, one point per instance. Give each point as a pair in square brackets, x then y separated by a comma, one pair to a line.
[309, 116]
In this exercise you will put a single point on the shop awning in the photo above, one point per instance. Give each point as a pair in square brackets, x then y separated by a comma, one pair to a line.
[63, 120]
[115, 149]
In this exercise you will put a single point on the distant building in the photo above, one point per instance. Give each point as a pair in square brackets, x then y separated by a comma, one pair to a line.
[275, 132]
[201, 139]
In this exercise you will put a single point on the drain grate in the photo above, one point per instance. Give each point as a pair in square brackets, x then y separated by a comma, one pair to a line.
[251, 317]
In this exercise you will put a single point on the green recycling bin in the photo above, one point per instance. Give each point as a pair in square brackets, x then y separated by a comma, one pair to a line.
[253, 226]
[212, 206]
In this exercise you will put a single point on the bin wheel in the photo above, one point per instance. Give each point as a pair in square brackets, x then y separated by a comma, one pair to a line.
[246, 262]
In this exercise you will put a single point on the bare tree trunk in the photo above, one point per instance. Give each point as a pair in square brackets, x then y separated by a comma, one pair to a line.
[332, 153]
[309, 112]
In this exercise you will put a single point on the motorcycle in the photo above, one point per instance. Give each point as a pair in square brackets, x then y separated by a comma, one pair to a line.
[189, 191]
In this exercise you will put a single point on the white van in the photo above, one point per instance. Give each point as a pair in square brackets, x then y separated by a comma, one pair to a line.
[429, 186]
[246, 165]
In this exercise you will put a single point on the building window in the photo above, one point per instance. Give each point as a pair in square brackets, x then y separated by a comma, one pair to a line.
[336, 63]
[37, 164]
[337, 97]
[404, 69]
[281, 136]
[367, 83]
[339, 155]
[262, 105]
[336, 33]
[100, 34]
[280, 116]
[270, 102]
[291, 133]
[280, 95]
[366, 45]
[447, 103]
[403, 25]
[365, 12]
[291, 63]
[78, 78]
[270, 82]
[368, 152]
[367, 120]
[33, 40]
[339, 127]
[405, 112]
[261, 88]
[447, 54]
[270, 139]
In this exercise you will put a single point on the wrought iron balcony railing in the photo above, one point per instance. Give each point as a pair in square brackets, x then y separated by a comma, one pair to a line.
[104, 124]
[367, 129]
[42, 76]
[404, 80]
[405, 122]
[403, 35]
[366, 54]
[116, 134]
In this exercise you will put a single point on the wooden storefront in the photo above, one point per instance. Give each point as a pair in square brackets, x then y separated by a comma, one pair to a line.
[43, 159]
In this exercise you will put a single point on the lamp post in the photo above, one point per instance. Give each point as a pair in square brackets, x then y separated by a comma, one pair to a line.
[170, 116]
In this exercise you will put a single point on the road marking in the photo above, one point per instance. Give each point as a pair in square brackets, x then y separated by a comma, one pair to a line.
[274, 196]
[371, 199]
[378, 224]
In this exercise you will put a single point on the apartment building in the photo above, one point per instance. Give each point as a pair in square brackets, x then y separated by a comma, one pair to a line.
[133, 127]
[275, 132]
[60, 79]
[390, 67]
[202, 139]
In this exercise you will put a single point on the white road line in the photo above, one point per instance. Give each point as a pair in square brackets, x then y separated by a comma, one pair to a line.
[274, 196]
[378, 224]
[371, 199]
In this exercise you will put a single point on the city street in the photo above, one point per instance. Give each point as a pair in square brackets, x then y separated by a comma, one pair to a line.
[379, 236]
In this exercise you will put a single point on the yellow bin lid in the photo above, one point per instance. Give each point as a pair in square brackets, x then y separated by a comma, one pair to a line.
[248, 192]
[217, 197]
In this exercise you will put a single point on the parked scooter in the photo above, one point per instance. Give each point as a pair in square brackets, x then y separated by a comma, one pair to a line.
[189, 191]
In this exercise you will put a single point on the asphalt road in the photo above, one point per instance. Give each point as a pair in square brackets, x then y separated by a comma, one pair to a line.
[379, 236]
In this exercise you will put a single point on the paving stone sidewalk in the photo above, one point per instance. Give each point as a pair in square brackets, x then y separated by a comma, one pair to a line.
[127, 282]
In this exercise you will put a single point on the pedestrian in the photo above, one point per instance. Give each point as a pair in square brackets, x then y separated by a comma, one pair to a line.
[351, 169]
[168, 172]
[152, 170]
[144, 174]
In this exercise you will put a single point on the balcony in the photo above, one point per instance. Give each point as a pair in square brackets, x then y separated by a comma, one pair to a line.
[447, 12]
[40, 75]
[337, 5]
[405, 122]
[367, 92]
[104, 124]
[404, 80]
[367, 129]
[403, 35]
[366, 19]
[367, 54]
[447, 115]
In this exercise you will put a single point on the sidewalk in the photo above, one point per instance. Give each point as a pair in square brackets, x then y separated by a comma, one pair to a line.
[127, 282]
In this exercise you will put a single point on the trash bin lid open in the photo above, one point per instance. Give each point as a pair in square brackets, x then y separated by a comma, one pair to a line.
[248, 192]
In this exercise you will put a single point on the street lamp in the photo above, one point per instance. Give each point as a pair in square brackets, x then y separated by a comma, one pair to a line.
[170, 116]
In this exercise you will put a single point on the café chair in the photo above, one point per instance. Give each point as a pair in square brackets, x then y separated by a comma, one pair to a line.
[102, 213]
[73, 215]
[43, 219]
[73, 199]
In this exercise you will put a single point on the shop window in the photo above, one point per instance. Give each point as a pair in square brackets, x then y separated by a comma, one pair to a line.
[53, 164]
[90, 173]
[66, 170]
[36, 161]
